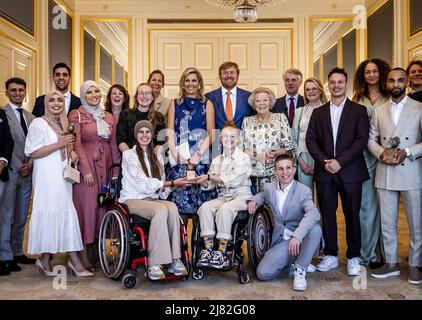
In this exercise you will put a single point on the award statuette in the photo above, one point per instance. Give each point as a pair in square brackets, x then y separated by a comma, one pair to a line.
[391, 152]
[190, 171]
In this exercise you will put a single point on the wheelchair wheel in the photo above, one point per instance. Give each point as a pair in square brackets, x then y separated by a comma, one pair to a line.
[259, 230]
[197, 274]
[113, 244]
[130, 281]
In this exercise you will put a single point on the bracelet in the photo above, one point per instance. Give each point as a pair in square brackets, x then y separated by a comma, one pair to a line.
[172, 184]
[254, 154]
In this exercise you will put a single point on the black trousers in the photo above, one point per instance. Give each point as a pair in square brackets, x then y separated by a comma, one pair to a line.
[350, 195]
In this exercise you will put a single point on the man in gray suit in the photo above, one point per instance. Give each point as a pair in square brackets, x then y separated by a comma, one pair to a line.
[17, 191]
[398, 173]
[297, 233]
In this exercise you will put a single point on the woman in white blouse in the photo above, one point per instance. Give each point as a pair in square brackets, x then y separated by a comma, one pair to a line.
[143, 185]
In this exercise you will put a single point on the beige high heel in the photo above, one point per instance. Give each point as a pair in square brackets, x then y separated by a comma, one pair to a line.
[77, 273]
[46, 272]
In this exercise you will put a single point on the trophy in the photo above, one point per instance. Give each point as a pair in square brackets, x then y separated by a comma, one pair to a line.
[190, 171]
[391, 152]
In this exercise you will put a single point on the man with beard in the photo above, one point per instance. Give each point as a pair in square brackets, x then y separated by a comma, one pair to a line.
[401, 119]
[230, 102]
[414, 72]
[61, 78]
[336, 138]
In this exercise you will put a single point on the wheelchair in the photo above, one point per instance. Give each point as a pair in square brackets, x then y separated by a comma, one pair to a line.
[123, 239]
[255, 229]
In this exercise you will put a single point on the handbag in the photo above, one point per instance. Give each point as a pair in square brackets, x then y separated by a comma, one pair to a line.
[71, 172]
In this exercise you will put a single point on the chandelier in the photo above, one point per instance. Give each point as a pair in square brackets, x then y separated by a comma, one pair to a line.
[244, 10]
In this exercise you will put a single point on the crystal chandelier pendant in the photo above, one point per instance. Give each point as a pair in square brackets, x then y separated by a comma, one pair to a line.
[245, 14]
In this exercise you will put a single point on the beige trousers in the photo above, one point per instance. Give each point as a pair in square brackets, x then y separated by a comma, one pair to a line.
[224, 214]
[164, 232]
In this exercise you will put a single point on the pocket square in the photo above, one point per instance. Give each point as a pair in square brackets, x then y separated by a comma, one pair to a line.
[1, 120]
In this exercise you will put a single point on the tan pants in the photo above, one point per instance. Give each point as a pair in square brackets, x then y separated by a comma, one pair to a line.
[224, 214]
[164, 233]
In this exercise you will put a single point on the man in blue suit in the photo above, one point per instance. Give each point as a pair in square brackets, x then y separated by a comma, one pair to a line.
[230, 102]
[288, 103]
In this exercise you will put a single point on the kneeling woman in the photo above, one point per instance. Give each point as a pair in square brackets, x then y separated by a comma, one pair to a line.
[143, 185]
[54, 225]
[230, 173]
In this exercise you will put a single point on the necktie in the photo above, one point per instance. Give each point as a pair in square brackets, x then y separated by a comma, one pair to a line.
[23, 123]
[229, 107]
[291, 111]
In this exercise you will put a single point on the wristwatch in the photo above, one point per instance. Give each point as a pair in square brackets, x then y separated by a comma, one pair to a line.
[172, 184]
[208, 177]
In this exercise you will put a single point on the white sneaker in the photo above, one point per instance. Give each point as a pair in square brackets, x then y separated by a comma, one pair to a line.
[311, 268]
[178, 268]
[327, 263]
[353, 266]
[156, 273]
[299, 282]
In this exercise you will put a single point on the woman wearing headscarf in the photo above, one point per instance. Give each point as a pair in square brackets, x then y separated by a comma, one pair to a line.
[54, 226]
[97, 150]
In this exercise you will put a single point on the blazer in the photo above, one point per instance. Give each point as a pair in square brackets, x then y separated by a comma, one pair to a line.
[352, 140]
[416, 96]
[299, 212]
[6, 144]
[39, 107]
[243, 109]
[18, 154]
[407, 175]
[281, 106]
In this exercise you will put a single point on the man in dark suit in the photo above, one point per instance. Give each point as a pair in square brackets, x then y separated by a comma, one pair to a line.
[230, 102]
[414, 72]
[61, 78]
[337, 135]
[6, 149]
[292, 100]
[17, 191]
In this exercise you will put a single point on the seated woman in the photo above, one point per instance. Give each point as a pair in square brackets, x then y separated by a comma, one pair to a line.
[266, 135]
[143, 185]
[54, 225]
[230, 173]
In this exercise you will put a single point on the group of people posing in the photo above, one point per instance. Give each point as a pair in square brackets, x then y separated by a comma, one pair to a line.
[209, 156]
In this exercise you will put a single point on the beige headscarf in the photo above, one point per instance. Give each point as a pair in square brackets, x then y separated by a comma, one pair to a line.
[60, 126]
[97, 112]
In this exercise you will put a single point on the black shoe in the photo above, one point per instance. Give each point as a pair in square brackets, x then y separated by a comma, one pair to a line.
[24, 260]
[13, 266]
[4, 269]
[375, 265]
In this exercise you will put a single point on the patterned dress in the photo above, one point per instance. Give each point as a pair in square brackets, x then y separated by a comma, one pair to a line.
[190, 126]
[264, 137]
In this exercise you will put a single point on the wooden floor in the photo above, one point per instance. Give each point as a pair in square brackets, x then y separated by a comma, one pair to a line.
[332, 285]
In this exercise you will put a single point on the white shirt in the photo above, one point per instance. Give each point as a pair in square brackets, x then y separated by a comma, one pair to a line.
[396, 109]
[67, 97]
[17, 113]
[135, 183]
[295, 100]
[234, 170]
[281, 195]
[233, 98]
[335, 114]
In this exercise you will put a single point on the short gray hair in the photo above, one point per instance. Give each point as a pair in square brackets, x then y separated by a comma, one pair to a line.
[268, 91]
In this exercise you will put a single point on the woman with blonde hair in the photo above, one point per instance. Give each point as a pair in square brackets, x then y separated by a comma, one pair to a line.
[314, 98]
[265, 136]
[190, 123]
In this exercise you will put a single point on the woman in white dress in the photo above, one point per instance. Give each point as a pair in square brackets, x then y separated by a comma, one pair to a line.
[54, 225]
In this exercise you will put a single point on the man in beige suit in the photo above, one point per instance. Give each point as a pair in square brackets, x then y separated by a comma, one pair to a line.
[399, 118]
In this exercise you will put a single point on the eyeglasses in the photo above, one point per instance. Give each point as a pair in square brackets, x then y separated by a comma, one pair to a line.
[144, 93]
